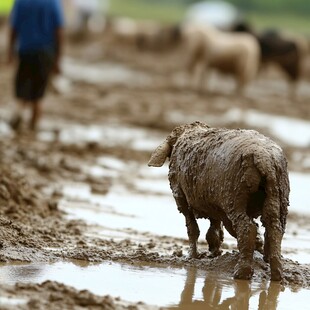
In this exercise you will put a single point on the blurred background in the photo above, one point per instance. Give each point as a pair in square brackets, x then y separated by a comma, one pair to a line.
[292, 15]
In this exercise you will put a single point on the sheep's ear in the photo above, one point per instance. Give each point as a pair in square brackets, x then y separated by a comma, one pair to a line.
[159, 156]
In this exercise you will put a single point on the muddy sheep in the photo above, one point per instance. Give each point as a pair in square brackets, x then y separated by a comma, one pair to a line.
[230, 177]
[236, 54]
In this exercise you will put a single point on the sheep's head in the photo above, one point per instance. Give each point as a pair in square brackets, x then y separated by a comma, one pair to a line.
[164, 150]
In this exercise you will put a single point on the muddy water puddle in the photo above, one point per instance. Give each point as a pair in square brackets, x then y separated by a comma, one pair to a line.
[104, 73]
[12, 302]
[148, 208]
[292, 131]
[108, 135]
[119, 210]
[175, 288]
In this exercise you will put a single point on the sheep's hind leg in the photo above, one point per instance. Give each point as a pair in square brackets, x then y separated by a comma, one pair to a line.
[191, 224]
[246, 238]
[246, 232]
[215, 237]
[273, 234]
[259, 244]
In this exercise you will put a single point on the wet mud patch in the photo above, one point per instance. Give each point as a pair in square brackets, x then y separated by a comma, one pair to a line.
[53, 295]
[30, 222]
[34, 229]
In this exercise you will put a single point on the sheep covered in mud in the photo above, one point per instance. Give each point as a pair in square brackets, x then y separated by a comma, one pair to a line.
[237, 54]
[230, 177]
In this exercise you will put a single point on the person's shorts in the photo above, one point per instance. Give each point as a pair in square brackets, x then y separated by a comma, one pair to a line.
[32, 75]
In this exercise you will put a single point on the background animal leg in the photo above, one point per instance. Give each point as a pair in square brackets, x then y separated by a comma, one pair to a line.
[239, 90]
[191, 68]
[200, 77]
[292, 89]
[215, 237]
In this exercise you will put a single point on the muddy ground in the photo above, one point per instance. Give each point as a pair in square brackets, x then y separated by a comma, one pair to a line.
[136, 92]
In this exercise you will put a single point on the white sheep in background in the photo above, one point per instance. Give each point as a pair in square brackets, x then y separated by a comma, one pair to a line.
[130, 32]
[237, 54]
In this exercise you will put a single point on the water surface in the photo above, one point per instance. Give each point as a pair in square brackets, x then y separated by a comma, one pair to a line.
[174, 288]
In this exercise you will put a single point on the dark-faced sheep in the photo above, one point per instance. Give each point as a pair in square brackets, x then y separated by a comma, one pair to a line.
[229, 177]
[287, 51]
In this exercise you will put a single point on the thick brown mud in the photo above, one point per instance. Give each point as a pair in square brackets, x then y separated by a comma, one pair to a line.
[98, 119]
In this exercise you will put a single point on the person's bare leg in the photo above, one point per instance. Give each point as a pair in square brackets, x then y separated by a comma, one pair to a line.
[36, 114]
[17, 117]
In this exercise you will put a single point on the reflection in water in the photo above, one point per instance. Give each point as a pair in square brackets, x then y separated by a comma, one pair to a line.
[269, 299]
[21, 271]
[212, 292]
[171, 288]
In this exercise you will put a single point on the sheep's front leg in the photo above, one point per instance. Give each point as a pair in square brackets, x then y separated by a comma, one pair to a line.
[191, 224]
[215, 237]
[193, 234]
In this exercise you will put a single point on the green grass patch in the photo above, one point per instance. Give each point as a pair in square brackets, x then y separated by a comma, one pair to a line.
[285, 21]
[139, 9]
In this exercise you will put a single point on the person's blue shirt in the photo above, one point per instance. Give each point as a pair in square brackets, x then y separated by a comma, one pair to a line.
[35, 23]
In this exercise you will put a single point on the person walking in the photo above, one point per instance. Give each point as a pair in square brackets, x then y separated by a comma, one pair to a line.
[36, 34]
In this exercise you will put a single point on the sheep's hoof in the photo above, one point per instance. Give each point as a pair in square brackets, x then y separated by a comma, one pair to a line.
[215, 253]
[243, 272]
[197, 255]
[192, 254]
[202, 255]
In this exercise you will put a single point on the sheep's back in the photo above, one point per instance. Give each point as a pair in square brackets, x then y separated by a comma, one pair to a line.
[239, 53]
[206, 164]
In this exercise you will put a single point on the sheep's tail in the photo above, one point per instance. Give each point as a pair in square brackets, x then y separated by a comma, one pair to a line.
[274, 171]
